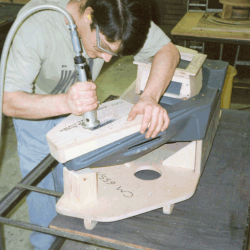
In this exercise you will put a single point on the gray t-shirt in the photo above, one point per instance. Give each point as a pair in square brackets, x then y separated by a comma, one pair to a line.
[41, 58]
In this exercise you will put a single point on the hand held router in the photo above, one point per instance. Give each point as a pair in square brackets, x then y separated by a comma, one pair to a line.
[89, 118]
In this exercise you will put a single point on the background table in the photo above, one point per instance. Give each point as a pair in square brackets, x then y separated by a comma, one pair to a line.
[184, 30]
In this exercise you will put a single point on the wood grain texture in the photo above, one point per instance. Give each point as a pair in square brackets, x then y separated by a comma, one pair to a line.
[227, 11]
[69, 139]
[214, 218]
[213, 23]
[80, 187]
[185, 28]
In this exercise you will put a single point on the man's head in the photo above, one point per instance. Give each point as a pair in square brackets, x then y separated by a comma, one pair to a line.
[123, 22]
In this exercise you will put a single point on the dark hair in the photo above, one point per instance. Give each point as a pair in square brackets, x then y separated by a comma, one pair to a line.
[127, 21]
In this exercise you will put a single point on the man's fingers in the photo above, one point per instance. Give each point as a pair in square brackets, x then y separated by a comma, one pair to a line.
[166, 121]
[83, 109]
[146, 118]
[159, 124]
[132, 115]
[83, 86]
[82, 97]
[86, 101]
[154, 123]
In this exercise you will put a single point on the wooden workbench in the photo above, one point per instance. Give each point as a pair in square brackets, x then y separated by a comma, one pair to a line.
[185, 30]
[214, 218]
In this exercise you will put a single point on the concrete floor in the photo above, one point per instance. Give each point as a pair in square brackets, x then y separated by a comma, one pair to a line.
[115, 77]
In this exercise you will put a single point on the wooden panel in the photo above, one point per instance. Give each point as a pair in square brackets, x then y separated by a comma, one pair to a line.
[129, 195]
[69, 139]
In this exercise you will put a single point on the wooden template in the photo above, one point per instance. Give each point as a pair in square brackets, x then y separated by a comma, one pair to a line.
[69, 139]
[190, 78]
[121, 194]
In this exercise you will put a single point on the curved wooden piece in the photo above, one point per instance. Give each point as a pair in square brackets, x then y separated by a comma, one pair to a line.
[89, 224]
[168, 208]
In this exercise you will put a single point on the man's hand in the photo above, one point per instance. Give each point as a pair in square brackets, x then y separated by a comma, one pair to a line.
[82, 98]
[154, 116]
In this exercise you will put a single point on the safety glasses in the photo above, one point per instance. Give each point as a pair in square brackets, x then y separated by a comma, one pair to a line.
[99, 42]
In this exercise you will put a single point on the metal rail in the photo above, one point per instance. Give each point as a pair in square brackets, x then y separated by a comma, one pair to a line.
[246, 240]
[10, 200]
[26, 185]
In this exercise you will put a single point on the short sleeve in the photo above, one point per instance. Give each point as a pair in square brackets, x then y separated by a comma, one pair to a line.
[24, 61]
[155, 41]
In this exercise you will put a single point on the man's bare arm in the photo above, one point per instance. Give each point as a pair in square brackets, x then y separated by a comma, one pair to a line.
[80, 98]
[154, 116]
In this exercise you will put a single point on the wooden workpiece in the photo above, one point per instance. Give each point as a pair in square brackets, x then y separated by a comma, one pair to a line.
[186, 28]
[122, 195]
[69, 139]
[190, 78]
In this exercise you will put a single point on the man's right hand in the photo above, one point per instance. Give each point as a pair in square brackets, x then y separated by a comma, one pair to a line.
[82, 98]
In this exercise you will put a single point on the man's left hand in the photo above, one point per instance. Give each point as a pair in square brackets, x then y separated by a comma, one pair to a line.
[155, 117]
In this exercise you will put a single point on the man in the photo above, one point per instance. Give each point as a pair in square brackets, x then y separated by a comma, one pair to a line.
[41, 85]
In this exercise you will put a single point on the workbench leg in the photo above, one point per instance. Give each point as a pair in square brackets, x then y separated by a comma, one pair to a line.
[168, 208]
[1, 237]
[89, 224]
[237, 55]
[221, 50]
[57, 243]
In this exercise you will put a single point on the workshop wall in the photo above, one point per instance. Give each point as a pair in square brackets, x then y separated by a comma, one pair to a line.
[167, 13]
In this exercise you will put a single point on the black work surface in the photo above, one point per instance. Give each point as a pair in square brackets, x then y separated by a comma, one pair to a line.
[214, 218]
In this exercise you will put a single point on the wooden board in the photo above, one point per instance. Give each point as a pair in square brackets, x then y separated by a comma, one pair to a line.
[185, 29]
[214, 218]
[121, 194]
[69, 139]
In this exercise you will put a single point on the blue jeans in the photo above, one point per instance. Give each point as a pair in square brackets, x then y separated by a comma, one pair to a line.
[32, 149]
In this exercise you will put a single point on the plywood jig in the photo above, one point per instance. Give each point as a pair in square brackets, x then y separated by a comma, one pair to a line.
[190, 77]
[121, 194]
[69, 139]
